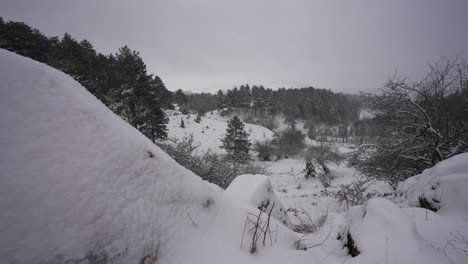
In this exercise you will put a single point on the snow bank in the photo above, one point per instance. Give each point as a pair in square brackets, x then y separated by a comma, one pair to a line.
[444, 186]
[384, 233]
[258, 191]
[77, 179]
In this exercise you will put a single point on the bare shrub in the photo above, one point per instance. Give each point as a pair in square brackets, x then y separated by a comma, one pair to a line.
[323, 155]
[352, 194]
[459, 243]
[325, 179]
[306, 224]
[151, 253]
[425, 122]
[260, 229]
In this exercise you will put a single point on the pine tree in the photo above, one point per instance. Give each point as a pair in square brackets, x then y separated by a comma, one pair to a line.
[236, 141]
[180, 98]
[220, 100]
[154, 118]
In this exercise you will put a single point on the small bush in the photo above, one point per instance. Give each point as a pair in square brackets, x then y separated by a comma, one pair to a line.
[325, 179]
[306, 224]
[323, 155]
[352, 194]
[198, 118]
[265, 149]
[290, 142]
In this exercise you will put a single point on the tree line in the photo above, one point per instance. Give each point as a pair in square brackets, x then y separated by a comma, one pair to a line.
[119, 80]
[318, 105]
[308, 104]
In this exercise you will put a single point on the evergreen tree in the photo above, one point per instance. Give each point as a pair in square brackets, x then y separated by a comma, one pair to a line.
[154, 118]
[236, 141]
[180, 98]
[220, 100]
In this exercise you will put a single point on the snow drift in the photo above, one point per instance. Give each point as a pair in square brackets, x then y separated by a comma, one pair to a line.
[384, 233]
[78, 181]
[444, 187]
[258, 191]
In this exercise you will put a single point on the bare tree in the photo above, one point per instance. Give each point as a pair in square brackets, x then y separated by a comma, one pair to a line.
[427, 122]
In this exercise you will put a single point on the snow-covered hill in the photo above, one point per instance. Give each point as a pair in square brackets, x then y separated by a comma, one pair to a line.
[78, 182]
[211, 129]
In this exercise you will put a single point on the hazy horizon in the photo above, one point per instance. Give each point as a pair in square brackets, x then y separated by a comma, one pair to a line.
[210, 45]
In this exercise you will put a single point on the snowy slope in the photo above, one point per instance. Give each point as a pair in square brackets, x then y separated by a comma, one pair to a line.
[209, 132]
[77, 179]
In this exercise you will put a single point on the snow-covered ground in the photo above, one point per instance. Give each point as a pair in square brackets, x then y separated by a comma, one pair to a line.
[385, 230]
[393, 230]
[77, 182]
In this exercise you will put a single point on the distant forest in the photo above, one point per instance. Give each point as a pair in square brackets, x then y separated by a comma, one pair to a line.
[307, 104]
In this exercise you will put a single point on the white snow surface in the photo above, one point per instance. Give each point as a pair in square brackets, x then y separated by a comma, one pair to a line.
[75, 178]
[258, 192]
[445, 186]
[384, 233]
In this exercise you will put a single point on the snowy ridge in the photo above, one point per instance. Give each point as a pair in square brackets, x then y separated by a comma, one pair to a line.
[76, 178]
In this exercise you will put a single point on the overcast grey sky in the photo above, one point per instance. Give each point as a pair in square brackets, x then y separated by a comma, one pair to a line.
[211, 44]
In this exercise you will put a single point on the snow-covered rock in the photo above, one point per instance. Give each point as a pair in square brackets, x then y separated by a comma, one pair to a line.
[76, 179]
[445, 187]
[256, 189]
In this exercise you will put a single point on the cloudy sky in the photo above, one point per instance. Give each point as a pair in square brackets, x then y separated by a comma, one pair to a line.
[212, 44]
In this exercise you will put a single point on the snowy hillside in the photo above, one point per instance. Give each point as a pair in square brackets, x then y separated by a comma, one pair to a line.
[211, 129]
[77, 182]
